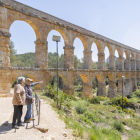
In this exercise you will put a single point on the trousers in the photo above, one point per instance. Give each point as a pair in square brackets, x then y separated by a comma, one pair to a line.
[18, 110]
[28, 112]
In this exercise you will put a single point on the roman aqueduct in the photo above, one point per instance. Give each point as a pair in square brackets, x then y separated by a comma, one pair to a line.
[42, 24]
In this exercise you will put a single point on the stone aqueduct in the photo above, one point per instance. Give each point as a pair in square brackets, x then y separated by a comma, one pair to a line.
[42, 24]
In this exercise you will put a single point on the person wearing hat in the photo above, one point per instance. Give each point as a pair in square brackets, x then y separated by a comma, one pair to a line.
[29, 98]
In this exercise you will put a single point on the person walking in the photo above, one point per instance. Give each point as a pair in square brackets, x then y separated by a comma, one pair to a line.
[18, 102]
[29, 98]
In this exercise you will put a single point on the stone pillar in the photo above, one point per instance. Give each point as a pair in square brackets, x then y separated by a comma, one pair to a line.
[87, 60]
[5, 82]
[128, 87]
[134, 84]
[41, 54]
[68, 57]
[112, 89]
[112, 60]
[87, 90]
[4, 50]
[68, 90]
[119, 89]
[101, 91]
[133, 64]
[101, 61]
[137, 64]
[127, 64]
[120, 63]
[4, 39]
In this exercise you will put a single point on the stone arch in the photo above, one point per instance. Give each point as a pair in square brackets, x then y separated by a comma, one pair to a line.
[64, 78]
[137, 57]
[111, 77]
[63, 34]
[127, 75]
[132, 55]
[109, 48]
[112, 85]
[84, 78]
[101, 87]
[127, 54]
[120, 52]
[98, 45]
[14, 77]
[31, 23]
[82, 40]
[99, 78]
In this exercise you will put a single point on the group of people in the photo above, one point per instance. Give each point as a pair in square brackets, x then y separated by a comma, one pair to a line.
[23, 94]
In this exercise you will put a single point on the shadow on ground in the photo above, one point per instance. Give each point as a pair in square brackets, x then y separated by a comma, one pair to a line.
[5, 128]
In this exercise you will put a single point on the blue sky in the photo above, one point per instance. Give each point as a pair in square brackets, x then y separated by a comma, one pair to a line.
[115, 19]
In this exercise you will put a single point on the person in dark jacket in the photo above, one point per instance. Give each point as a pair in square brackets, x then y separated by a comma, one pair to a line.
[29, 98]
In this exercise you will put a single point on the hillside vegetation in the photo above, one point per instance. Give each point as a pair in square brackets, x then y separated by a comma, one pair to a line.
[99, 118]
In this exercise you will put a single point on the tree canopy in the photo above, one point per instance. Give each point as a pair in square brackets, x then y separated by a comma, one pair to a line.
[28, 59]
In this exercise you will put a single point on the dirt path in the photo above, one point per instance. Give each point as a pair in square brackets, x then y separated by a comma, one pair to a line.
[6, 109]
[49, 119]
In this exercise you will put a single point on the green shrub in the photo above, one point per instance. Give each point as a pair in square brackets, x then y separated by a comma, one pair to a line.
[79, 94]
[118, 101]
[103, 98]
[138, 101]
[95, 90]
[50, 92]
[80, 106]
[94, 117]
[137, 93]
[93, 137]
[118, 126]
[108, 102]
[95, 100]
[119, 108]
[129, 111]
[135, 138]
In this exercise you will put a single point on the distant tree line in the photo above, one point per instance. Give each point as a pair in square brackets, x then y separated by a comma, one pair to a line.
[28, 59]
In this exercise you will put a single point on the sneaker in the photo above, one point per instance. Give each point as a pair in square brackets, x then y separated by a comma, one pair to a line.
[26, 121]
[21, 124]
[15, 127]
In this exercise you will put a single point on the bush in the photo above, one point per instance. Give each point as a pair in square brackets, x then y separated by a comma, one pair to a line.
[93, 137]
[137, 93]
[103, 98]
[95, 100]
[138, 101]
[135, 138]
[94, 117]
[119, 108]
[128, 111]
[80, 106]
[50, 92]
[108, 102]
[118, 101]
[95, 90]
[79, 94]
[118, 126]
